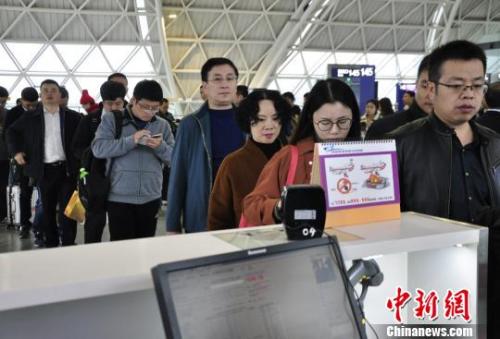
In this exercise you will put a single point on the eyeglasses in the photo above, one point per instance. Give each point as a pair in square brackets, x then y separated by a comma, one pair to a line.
[423, 84]
[460, 88]
[151, 109]
[219, 80]
[326, 125]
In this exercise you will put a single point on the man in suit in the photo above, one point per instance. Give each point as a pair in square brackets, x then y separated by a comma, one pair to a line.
[40, 141]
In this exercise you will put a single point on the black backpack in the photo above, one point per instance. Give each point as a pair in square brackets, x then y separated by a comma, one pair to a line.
[93, 181]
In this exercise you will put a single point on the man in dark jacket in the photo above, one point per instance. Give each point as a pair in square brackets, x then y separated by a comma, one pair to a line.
[421, 107]
[165, 114]
[41, 142]
[448, 164]
[113, 99]
[29, 101]
[448, 144]
[4, 97]
[491, 117]
[4, 158]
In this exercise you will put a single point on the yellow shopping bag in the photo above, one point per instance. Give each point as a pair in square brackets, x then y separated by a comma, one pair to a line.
[75, 210]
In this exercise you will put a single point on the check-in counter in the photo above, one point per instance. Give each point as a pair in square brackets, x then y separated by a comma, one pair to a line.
[105, 290]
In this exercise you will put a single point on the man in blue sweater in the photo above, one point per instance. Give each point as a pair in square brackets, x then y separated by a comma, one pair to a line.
[203, 140]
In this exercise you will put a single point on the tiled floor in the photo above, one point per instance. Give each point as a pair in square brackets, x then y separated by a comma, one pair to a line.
[9, 238]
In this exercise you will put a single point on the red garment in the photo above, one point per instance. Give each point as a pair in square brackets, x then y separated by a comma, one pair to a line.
[258, 206]
[86, 99]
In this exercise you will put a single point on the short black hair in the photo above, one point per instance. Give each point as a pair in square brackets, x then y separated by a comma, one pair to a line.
[64, 92]
[247, 111]
[149, 90]
[289, 95]
[492, 96]
[323, 92]
[424, 65]
[164, 100]
[29, 94]
[212, 62]
[410, 93]
[454, 50]
[117, 75]
[50, 82]
[112, 90]
[242, 90]
[3, 92]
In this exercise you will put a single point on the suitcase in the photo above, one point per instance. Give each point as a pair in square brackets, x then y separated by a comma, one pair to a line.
[14, 205]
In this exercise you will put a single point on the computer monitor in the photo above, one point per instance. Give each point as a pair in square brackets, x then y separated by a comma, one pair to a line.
[294, 290]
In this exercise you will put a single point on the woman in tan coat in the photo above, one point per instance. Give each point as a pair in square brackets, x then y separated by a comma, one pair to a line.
[331, 113]
[261, 115]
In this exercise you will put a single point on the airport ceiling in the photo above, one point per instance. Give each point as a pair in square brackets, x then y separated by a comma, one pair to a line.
[258, 35]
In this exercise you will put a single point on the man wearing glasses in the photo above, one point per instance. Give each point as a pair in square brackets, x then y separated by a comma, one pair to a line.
[445, 160]
[135, 162]
[449, 164]
[421, 107]
[203, 140]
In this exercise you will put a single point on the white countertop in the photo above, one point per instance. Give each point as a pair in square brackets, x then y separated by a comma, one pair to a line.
[413, 232]
[54, 275]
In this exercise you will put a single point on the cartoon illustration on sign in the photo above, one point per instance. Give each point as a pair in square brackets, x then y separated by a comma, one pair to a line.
[343, 169]
[344, 186]
[375, 180]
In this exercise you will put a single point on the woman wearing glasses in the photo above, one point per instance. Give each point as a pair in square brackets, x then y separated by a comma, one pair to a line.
[261, 115]
[331, 113]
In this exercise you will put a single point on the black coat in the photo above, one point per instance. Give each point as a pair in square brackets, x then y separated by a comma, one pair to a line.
[490, 119]
[387, 124]
[3, 147]
[424, 161]
[12, 115]
[85, 132]
[27, 134]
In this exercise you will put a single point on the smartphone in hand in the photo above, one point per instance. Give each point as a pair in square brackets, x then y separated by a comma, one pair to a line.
[159, 135]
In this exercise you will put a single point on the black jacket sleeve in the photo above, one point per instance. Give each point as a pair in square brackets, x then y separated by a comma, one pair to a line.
[82, 138]
[15, 135]
[10, 118]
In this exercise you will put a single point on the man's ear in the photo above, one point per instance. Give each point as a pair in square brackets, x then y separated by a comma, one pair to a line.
[432, 88]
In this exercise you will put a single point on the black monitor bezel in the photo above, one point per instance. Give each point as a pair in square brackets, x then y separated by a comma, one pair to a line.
[163, 291]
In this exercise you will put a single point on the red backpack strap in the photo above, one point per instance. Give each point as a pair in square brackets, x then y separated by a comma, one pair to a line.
[293, 165]
[243, 222]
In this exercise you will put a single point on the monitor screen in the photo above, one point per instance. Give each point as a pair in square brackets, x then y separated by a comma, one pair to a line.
[292, 294]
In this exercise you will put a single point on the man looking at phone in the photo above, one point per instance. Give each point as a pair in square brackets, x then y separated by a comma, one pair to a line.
[135, 162]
